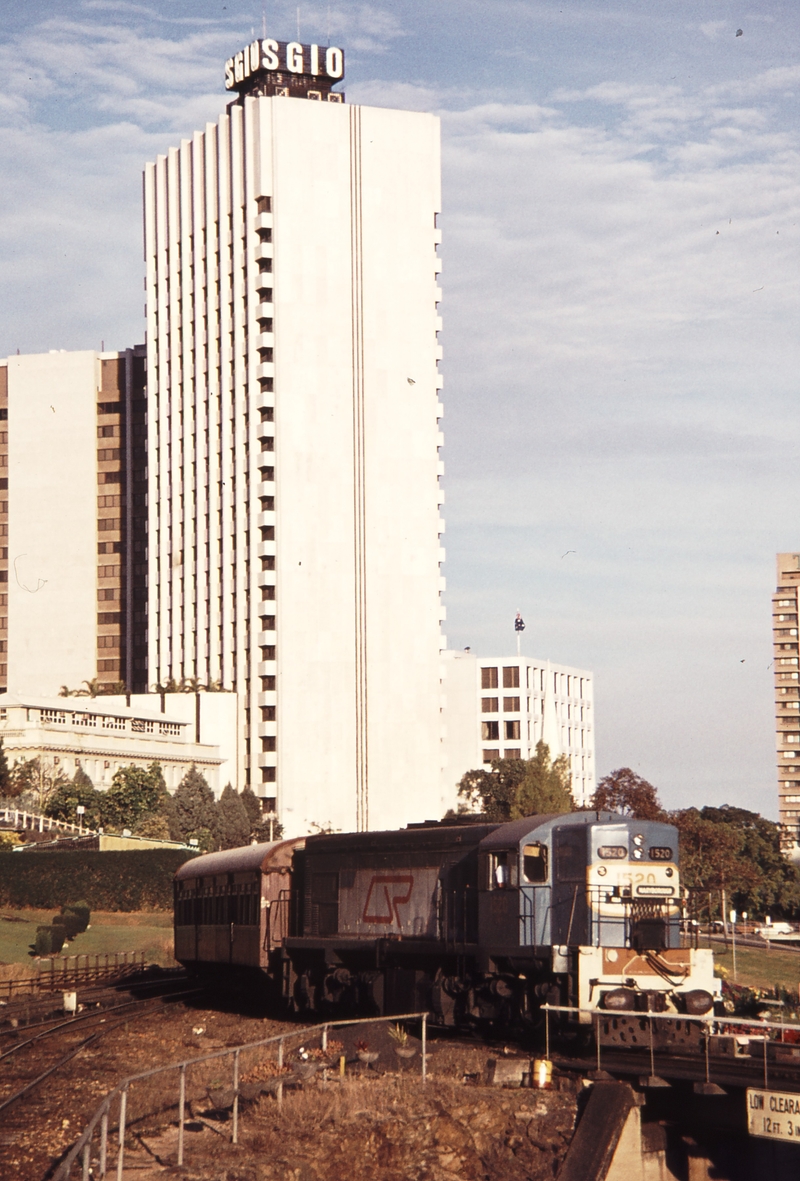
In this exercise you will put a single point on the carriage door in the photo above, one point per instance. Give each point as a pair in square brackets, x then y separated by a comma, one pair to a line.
[569, 920]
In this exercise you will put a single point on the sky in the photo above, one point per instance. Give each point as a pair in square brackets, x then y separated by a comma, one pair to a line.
[621, 217]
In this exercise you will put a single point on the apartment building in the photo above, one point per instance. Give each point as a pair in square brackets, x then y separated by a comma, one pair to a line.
[73, 505]
[499, 708]
[787, 694]
[293, 462]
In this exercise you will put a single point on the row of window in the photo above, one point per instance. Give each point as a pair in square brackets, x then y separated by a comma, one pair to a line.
[565, 684]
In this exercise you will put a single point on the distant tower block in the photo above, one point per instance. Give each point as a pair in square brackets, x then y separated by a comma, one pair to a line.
[787, 696]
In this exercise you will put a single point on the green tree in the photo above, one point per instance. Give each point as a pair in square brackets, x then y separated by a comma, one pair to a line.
[193, 810]
[738, 851]
[5, 774]
[63, 803]
[36, 780]
[626, 792]
[545, 787]
[252, 806]
[135, 793]
[518, 787]
[232, 827]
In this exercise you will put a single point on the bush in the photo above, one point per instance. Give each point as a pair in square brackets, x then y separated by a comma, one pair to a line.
[49, 940]
[81, 911]
[119, 880]
[70, 922]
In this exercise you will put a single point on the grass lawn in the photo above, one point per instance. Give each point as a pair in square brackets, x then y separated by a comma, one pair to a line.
[142, 931]
[758, 968]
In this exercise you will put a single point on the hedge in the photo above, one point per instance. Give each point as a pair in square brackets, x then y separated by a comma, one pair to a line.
[119, 880]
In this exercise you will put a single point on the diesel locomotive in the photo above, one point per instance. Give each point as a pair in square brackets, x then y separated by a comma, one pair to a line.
[470, 922]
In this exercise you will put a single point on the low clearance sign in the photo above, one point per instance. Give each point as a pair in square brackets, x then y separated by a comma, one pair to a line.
[268, 56]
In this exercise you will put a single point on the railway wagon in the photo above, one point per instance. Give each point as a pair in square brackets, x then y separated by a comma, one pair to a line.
[469, 921]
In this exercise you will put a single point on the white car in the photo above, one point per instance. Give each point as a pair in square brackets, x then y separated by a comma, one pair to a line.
[769, 932]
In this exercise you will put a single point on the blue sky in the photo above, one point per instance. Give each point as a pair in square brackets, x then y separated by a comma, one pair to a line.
[621, 212]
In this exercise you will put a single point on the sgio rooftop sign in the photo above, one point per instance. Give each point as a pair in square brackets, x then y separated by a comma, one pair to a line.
[285, 67]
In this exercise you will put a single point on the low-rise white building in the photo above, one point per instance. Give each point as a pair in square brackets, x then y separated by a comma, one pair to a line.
[100, 737]
[514, 703]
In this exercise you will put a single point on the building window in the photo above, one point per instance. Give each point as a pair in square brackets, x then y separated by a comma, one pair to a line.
[511, 754]
[490, 731]
[511, 705]
[511, 677]
[268, 774]
[489, 705]
[488, 678]
[268, 743]
[489, 755]
[512, 731]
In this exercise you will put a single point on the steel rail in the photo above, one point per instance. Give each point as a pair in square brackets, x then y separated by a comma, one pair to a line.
[97, 1014]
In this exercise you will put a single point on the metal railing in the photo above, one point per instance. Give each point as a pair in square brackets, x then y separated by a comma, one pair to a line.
[62, 972]
[751, 1028]
[83, 1146]
[36, 822]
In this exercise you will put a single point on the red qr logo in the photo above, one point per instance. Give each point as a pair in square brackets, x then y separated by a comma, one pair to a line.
[387, 892]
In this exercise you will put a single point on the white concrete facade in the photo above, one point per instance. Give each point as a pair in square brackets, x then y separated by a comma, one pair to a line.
[213, 719]
[52, 520]
[293, 452]
[101, 735]
[513, 704]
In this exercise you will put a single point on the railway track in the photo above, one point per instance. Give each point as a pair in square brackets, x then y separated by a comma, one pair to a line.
[37, 1011]
[38, 1073]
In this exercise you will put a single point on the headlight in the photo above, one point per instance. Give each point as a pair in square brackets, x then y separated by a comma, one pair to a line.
[638, 854]
[618, 998]
[698, 1001]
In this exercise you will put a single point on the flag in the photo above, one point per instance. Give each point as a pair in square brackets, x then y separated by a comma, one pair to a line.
[519, 623]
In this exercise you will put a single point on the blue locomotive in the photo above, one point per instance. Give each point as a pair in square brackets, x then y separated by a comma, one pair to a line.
[469, 921]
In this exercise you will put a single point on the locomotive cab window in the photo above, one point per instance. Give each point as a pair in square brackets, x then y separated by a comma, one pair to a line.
[534, 863]
[501, 871]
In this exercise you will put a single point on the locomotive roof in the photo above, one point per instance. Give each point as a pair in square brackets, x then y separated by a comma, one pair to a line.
[513, 832]
[269, 855]
[438, 836]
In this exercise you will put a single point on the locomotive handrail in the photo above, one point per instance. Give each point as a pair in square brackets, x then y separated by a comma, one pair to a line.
[83, 1144]
[709, 1019]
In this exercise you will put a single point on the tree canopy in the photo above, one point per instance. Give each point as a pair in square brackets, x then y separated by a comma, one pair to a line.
[192, 811]
[626, 792]
[232, 824]
[136, 793]
[518, 787]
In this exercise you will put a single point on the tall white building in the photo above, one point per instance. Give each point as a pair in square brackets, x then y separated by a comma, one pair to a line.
[294, 544]
[500, 708]
[73, 520]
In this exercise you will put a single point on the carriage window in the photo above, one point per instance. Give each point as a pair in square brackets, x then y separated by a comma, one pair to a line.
[612, 852]
[534, 863]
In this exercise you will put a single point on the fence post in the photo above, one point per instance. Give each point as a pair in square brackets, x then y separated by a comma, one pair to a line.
[235, 1136]
[87, 1155]
[324, 1039]
[181, 1114]
[547, 1031]
[279, 1092]
[103, 1142]
[424, 1047]
[123, 1108]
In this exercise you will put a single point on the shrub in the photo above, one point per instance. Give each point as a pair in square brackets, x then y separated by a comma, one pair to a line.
[70, 922]
[49, 940]
[119, 880]
[81, 911]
